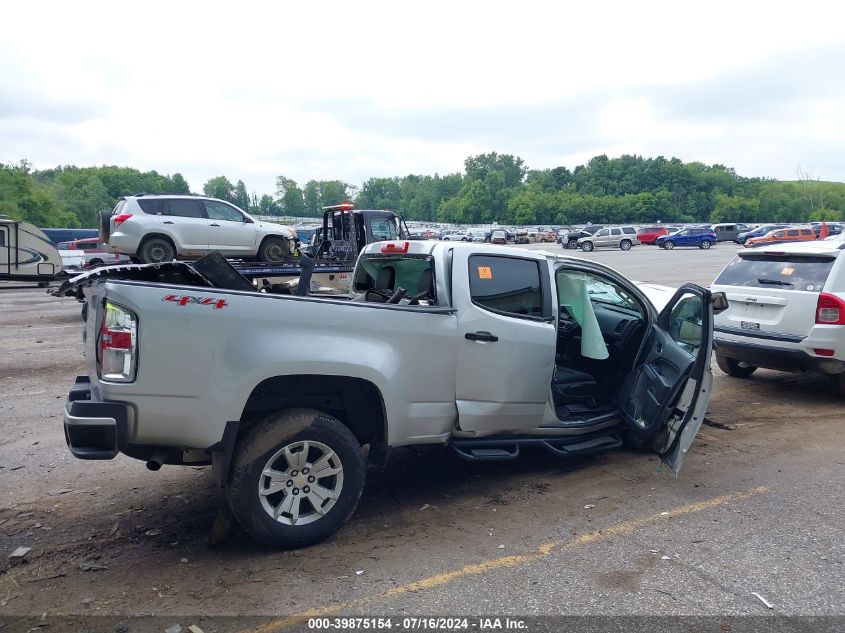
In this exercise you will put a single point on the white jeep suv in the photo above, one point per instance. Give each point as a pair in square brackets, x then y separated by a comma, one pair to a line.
[159, 228]
[786, 310]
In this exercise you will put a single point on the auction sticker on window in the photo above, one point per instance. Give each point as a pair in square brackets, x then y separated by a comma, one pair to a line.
[485, 272]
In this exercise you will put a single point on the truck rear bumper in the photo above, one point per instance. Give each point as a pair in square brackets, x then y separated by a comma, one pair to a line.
[93, 429]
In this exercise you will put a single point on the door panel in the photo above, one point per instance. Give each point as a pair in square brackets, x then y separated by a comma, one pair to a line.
[186, 222]
[506, 342]
[665, 398]
[228, 232]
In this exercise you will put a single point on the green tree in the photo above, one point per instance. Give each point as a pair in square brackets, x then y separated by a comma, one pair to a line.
[241, 197]
[180, 185]
[512, 168]
[220, 187]
[290, 196]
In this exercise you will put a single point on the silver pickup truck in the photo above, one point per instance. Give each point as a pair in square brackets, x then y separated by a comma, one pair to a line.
[485, 349]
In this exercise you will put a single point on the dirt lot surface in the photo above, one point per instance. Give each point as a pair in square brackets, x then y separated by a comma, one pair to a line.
[757, 510]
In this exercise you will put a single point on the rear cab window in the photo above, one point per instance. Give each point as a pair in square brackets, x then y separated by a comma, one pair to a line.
[789, 272]
[414, 273]
[507, 285]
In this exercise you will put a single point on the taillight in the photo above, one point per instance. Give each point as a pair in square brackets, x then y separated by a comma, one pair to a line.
[120, 218]
[118, 344]
[830, 310]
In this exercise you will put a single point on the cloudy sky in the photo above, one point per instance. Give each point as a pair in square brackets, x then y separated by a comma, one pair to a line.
[350, 90]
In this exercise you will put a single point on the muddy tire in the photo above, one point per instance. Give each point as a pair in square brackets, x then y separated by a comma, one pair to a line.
[297, 477]
[733, 367]
[273, 250]
[156, 250]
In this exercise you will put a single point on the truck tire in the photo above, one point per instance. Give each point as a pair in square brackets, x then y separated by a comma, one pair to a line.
[840, 379]
[273, 250]
[733, 367]
[704, 244]
[625, 245]
[156, 250]
[276, 491]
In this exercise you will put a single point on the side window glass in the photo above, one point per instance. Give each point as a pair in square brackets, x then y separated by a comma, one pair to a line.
[615, 231]
[685, 323]
[154, 206]
[506, 285]
[3, 239]
[778, 234]
[601, 233]
[186, 208]
[383, 229]
[220, 211]
[792, 233]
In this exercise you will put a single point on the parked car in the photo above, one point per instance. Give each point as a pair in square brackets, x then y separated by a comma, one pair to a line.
[792, 234]
[457, 237]
[786, 310]
[572, 237]
[702, 237]
[833, 228]
[96, 253]
[729, 232]
[499, 237]
[479, 235]
[511, 349]
[649, 235]
[759, 231]
[623, 237]
[159, 228]
[521, 236]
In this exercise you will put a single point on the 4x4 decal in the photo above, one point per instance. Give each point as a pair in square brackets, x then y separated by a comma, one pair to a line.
[184, 300]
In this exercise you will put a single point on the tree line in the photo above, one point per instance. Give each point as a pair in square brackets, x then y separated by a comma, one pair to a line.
[492, 188]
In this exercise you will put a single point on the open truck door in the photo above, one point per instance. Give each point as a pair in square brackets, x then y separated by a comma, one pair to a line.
[664, 399]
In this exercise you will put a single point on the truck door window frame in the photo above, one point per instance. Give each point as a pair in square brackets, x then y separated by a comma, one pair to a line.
[546, 313]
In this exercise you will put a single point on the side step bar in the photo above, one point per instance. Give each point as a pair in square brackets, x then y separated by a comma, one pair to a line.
[490, 449]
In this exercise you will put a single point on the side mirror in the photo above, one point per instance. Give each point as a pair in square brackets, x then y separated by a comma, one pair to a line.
[720, 302]
[248, 220]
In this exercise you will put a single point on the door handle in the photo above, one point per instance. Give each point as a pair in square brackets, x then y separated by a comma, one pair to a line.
[167, 222]
[485, 337]
[213, 225]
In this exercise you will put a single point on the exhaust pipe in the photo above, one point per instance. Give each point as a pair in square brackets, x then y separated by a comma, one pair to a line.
[157, 460]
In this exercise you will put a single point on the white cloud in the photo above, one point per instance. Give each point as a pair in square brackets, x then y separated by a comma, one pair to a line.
[353, 90]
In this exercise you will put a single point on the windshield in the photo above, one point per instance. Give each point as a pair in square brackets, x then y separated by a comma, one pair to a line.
[792, 272]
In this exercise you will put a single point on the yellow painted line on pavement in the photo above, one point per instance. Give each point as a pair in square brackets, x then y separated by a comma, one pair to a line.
[504, 562]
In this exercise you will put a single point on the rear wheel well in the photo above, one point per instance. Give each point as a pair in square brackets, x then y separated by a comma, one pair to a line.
[356, 402]
[150, 236]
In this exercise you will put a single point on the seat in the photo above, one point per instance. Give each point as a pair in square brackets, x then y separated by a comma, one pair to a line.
[570, 386]
[425, 285]
[383, 288]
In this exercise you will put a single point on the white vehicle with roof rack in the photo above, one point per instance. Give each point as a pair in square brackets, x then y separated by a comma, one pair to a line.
[160, 228]
[786, 310]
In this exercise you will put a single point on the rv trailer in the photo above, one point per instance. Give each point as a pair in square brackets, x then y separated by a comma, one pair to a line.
[26, 254]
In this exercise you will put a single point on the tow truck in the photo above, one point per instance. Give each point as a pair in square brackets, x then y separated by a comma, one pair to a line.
[334, 248]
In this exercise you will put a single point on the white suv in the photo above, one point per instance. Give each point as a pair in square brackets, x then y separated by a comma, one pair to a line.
[159, 228]
[786, 312]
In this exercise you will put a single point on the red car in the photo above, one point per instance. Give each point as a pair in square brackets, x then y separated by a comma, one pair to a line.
[650, 234]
